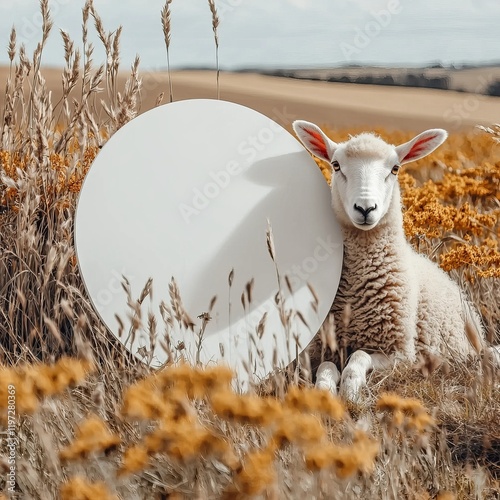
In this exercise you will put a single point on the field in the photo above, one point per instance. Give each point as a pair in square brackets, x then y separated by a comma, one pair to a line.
[90, 422]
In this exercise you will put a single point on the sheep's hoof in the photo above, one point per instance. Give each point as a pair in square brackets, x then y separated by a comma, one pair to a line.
[327, 377]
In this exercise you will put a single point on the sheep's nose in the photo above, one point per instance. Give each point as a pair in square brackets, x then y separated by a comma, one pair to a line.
[365, 211]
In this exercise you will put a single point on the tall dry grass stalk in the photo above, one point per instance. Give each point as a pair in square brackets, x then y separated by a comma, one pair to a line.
[167, 34]
[215, 28]
[46, 149]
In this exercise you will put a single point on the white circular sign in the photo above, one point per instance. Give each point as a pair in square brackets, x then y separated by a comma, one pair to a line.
[185, 191]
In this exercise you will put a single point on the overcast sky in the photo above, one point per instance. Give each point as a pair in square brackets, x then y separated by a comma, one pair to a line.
[277, 33]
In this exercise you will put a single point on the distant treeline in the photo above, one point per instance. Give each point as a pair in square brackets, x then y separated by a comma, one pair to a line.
[494, 89]
[409, 80]
[404, 80]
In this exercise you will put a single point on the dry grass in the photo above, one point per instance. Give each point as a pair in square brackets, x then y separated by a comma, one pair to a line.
[101, 425]
[215, 29]
[167, 35]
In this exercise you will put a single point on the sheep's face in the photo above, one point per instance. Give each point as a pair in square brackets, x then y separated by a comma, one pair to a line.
[364, 170]
[364, 173]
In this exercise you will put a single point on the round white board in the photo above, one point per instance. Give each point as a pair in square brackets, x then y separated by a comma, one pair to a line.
[186, 191]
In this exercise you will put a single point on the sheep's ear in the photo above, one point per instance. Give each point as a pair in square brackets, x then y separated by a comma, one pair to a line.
[422, 145]
[315, 140]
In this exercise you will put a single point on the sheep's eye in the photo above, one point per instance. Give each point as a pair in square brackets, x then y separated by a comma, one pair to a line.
[336, 166]
[395, 169]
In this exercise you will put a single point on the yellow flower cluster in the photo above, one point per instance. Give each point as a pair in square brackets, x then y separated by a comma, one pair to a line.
[248, 409]
[93, 435]
[69, 173]
[32, 383]
[346, 459]
[407, 414]
[78, 488]
[171, 400]
[314, 401]
[72, 181]
[426, 214]
[296, 420]
[165, 397]
[255, 475]
[484, 258]
[184, 440]
[446, 495]
[147, 398]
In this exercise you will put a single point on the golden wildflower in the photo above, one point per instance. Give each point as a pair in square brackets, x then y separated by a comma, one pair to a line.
[420, 422]
[485, 258]
[446, 495]
[398, 418]
[256, 474]
[12, 381]
[78, 488]
[246, 408]
[135, 459]
[93, 435]
[314, 400]
[346, 460]
[165, 397]
[196, 382]
[407, 412]
[298, 428]
[32, 383]
[390, 401]
[54, 379]
[141, 400]
[67, 180]
[185, 441]
[318, 458]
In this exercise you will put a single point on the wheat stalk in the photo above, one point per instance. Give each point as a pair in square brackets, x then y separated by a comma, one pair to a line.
[12, 45]
[8, 110]
[47, 24]
[71, 73]
[215, 26]
[88, 48]
[167, 33]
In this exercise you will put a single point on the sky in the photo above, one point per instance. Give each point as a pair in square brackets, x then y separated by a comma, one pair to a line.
[272, 34]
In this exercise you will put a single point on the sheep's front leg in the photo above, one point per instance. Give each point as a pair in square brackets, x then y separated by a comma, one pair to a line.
[354, 374]
[327, 377]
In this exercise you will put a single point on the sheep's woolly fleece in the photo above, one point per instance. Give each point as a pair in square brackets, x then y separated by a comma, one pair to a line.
[401, 303]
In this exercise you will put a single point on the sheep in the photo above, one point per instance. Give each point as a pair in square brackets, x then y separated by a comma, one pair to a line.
[402, 305]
